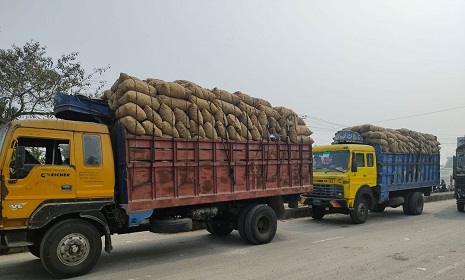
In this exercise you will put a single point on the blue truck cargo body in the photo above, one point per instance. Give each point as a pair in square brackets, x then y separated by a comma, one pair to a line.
[399, 171]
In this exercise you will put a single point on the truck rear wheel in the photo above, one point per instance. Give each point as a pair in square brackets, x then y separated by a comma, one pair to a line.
[406, 204]
[416, 203]
[318, 212]
[241, 221]
[260, 224]
[360, 212]
[70, 248]
[460, 206]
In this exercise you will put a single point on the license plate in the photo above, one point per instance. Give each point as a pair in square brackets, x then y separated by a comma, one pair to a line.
[317, 202]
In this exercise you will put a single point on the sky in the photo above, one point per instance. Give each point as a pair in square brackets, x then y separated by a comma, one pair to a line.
[395, 64]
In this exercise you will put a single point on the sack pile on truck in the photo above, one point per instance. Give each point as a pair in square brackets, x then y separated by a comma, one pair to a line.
[186, 110]
[398, 140]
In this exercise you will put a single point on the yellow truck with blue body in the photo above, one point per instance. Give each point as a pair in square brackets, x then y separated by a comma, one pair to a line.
[67, 183]
[351, 177]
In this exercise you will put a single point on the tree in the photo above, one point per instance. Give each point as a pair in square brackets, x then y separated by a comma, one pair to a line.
[28, 80]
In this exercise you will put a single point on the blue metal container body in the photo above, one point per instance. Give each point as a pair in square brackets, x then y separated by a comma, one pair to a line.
[399, 171]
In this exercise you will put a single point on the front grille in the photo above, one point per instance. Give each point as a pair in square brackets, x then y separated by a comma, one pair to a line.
[326, 190]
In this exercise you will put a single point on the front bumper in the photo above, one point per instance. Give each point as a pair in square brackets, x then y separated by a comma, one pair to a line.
[336, 205]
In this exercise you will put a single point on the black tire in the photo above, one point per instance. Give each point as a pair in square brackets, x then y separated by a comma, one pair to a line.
[360, 212]
[241, 221]
[318, 212]
[260, 224]
[406, 204]
[416, 203]
[79, 244]
[34, 250]
[218, 229]
[171, 225]
[460, 206]
[378, 208]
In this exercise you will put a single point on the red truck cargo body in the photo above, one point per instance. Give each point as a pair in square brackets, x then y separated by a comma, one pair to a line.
[165, 172]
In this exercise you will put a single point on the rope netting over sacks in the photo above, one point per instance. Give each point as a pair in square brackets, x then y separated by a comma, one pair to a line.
[398, 140]
[182, 109]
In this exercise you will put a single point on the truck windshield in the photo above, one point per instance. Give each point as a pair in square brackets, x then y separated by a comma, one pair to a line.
[331, 161]
[461, 160]
[3, 131]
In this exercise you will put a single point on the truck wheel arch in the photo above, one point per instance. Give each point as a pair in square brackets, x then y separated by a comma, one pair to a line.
[366, 192]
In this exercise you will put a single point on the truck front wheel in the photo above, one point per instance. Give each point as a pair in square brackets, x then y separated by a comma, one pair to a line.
[360, 212]
[70, 248]
[260, 224]
[318, 212]
[460, 206]
[416, 203]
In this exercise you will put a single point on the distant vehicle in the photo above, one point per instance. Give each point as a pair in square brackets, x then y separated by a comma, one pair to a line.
[354, 178]
[459, 175]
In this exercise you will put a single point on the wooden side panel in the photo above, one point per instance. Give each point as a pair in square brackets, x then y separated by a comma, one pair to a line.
[173, 172]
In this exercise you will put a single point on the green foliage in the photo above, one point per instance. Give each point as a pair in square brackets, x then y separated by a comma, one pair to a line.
[28, 80]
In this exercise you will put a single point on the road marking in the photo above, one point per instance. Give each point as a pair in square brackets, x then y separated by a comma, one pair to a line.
[323, 240]
[420, 221]
[450, 267]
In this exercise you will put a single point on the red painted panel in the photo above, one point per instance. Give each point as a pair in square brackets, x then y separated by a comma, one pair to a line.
[172, 172]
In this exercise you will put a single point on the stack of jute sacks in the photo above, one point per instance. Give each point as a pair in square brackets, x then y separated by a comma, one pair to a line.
[398, 140]
[182, 109]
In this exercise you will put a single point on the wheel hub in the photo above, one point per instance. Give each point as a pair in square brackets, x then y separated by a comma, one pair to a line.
[73, 249]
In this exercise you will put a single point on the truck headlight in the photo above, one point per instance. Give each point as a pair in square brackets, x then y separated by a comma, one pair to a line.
[339, 194]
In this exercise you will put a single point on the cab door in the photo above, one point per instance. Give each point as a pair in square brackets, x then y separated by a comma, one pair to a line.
[366, 170]
[46, 175]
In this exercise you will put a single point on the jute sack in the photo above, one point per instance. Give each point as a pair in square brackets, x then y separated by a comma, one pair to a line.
[262, 118]
[227, 107]
[232, 133]
[107, 94]
[173, 90]
[131, 109]
[151, 129]
[226, 96]
[221, 117]
[247, 109]
[304, 139]
[256, 136]
[207, 116]
[193, 89]
[194, 114]
[263, 102]
[292, 135]
[182, 130]
[249, 100]
[174, 102]
[303, 130]
[203, 104]
[234, 122]
[132, 125]
[245, 132]
[122, 78]
[140, 99]
[181, 116]
[137, 85]
[169, 129]
[210, 131]
[244, 118]
[300, 121]
[221, 130]
[270, 112]
[167, 115]
[208, 95]
[284, 112]
[113, 102]
[153, 116]
[196, 130]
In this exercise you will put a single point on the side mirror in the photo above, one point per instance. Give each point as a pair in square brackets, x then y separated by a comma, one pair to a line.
[20, 157]
[353, 167]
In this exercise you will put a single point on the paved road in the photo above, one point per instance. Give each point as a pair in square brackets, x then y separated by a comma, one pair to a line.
[389, 245]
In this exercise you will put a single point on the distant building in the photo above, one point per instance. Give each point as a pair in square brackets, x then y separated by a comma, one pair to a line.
[448, 163]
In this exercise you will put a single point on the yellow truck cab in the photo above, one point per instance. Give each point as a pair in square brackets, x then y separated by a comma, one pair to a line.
[50, 168]
[351, 177]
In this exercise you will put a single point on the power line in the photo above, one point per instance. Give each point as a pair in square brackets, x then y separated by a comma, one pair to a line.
[422, 114]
